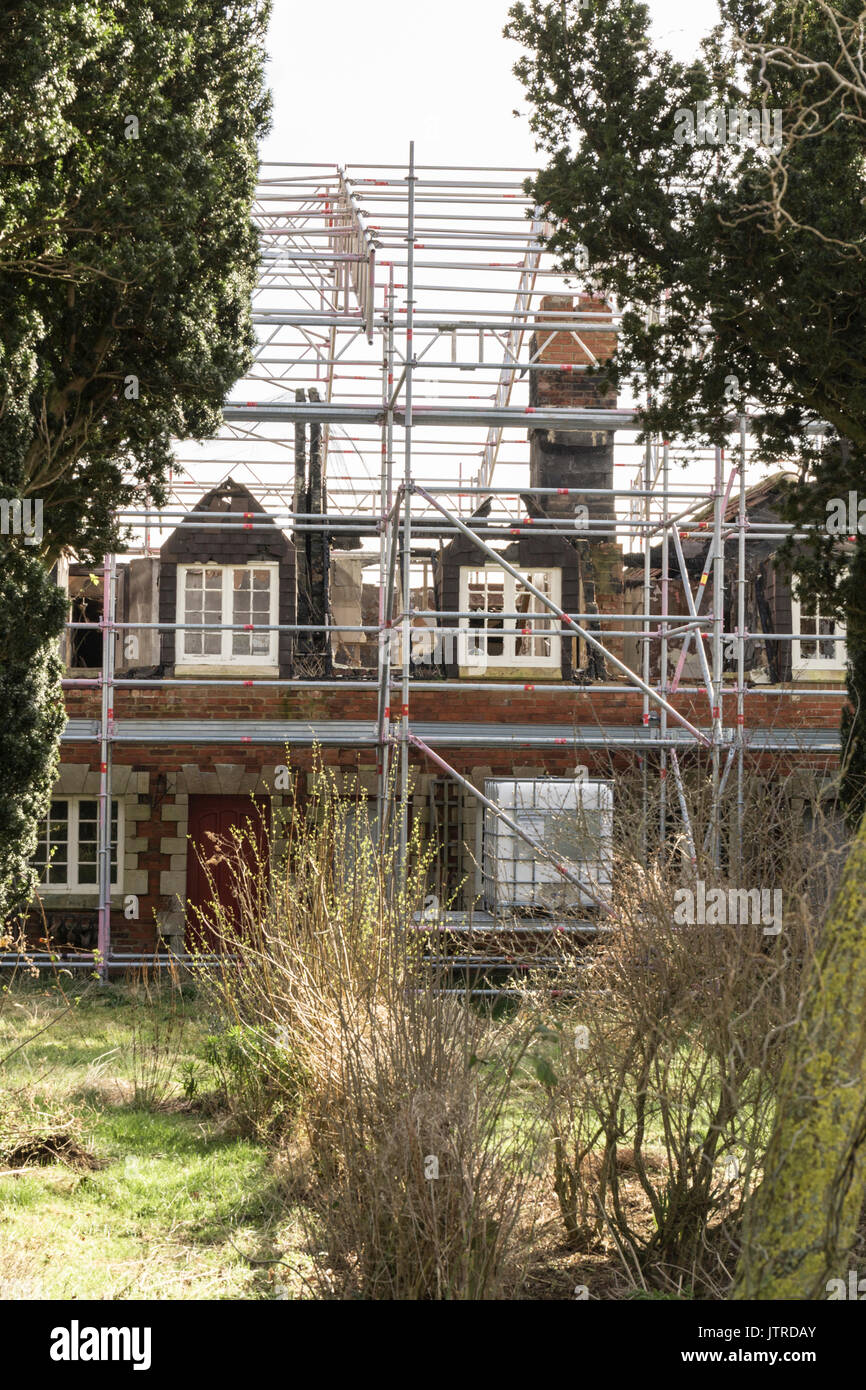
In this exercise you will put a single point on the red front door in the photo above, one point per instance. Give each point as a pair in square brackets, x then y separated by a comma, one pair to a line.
[213, 864]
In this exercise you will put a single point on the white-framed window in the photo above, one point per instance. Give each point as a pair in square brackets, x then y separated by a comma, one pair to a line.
[239, 594]
[526, 639]
[812, 651]
[67, 853]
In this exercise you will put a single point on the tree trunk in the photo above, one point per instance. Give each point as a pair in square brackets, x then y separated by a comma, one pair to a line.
[801, 1221]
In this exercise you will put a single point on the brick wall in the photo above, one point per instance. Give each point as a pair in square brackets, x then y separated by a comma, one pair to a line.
[538, 704]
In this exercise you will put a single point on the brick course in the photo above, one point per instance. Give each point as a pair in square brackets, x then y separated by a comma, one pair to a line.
[543, 704]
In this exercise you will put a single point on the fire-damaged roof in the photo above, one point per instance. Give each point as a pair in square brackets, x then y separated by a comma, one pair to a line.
[763, 504]
[193, 541]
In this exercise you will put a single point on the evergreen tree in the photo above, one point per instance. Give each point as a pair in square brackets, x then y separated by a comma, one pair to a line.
[128, 161]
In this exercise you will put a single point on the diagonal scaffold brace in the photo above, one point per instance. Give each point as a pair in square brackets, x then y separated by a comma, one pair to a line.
[699, 736]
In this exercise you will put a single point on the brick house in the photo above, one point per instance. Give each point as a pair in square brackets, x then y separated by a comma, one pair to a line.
[203, 720]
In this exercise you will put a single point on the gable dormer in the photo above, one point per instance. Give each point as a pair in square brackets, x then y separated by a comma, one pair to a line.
[227, 585]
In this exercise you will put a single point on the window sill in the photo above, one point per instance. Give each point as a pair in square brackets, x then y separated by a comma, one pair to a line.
[816, 674]
[241, 671]
[78, 897]
[518, 673]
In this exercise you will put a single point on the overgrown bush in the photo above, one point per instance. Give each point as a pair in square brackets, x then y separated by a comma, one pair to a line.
[420, 1179]
[659, 1072]
[642, 1073]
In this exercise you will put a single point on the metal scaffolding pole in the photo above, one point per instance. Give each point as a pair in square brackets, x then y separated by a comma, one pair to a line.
[684, 811]
[387, 546]
[106, 731]
[718, 625]
[386, 638]
[692, 605]
[741, 639]
[513, 344]
[645, 648]
[407, 526]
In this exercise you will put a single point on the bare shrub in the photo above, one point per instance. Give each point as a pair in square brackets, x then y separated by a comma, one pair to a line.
[659, 1072]
[419, 1174]
[429, 1168]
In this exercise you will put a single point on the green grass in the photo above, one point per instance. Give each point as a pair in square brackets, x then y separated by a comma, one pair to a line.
[179, 1207]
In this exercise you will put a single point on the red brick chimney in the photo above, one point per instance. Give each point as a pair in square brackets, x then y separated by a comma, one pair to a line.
[578, 348]
[572, 456]
[575, 457]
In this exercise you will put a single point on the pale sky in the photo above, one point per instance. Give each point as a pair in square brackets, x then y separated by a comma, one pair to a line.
[354, 80]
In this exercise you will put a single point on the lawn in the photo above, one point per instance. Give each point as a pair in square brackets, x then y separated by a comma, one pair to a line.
[164, 1197]
[178, 1206]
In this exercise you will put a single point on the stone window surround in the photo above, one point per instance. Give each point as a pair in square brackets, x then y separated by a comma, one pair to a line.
[77, 779]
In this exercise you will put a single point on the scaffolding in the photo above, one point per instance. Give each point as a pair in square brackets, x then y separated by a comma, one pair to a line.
[404, 299]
